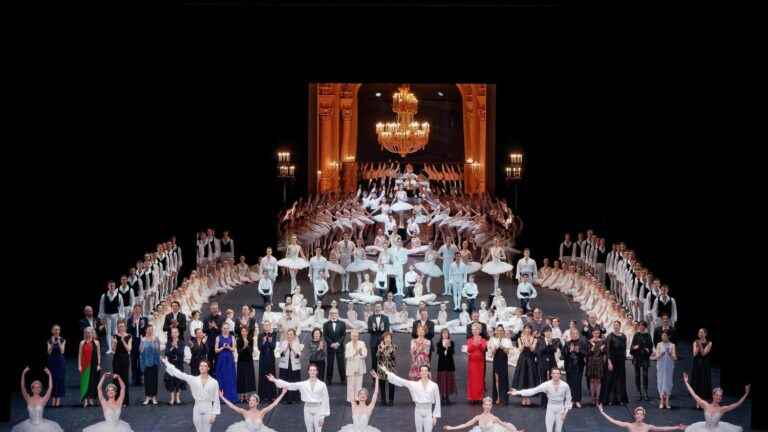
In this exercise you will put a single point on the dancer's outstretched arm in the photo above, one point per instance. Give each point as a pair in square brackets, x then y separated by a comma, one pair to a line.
[271, 406]
[726, 408]
[696, 397]
[234, 408]
[471, 422]
[611, 419]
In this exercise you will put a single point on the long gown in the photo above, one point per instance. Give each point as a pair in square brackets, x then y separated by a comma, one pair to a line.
[526, 373]
[701, 375]
[712, 423]
[57, 366]
[614, 389]
[359, 424]
[249, 425]
[665, 369]
[89, 378]
[225, 369]
[111, 423]
[476, 369]
[36, 422]
[267, 389]
[121, 365]
[199, 353]
[574, 353]
[175, 356]
[501, 373]
[419, 357]
[246, 374]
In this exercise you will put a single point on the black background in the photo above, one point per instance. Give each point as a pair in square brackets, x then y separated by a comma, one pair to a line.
[631, 132]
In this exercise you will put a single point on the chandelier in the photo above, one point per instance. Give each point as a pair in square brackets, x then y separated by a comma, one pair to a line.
[404, 135]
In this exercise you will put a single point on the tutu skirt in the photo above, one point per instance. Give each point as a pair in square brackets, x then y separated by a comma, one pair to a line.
[116, 426]
[244, 426]
[721, 427]
[474, 267]
[353, 428]
[401, 207]
[496, 267]
[429, 268]
[336, 268]
[359, 266]
[45, 425]
[293, 263]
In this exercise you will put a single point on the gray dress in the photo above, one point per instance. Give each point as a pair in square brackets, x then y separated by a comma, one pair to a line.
[665, 368]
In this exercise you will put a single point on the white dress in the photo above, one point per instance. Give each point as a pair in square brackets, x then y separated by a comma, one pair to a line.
[36, 422]
[111, 423]
[428, 266]
[496, 265]
[712, 423]
[292, 259]
[359, 424]
[365, 294]
[249, 425]
[401, 205]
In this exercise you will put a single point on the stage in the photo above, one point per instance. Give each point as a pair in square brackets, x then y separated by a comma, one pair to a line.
[399, 417]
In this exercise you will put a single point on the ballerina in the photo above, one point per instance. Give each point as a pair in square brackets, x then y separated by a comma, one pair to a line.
[35, 406]
[639, 424]
[365, 292]
[494, 263]
[714, 411]
[419, 294]
[486, 422]
[428, 267]
[361, 412]
[253, 416]
[294, 260]
[111, 407]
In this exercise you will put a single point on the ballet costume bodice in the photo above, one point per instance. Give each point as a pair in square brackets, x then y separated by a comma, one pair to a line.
[292, 251]
[35, 414]
[712, 419]
[497, 254]
[360, 419]
[112, 415]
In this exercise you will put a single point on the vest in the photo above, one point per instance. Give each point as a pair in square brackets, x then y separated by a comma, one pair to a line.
[577, 248]
[664, 308]
[567, 250]
[164, 263]
[125, 295]
[111, 306]
[226, 246]
[600, 257]
[134, 285]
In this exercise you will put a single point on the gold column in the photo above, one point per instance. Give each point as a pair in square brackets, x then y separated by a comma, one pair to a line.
[328, 113]
[480, 129]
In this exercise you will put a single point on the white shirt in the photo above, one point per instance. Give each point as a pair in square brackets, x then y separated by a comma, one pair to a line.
[557, 397]
[526, 265]
[526, 287]
[421, 394]
[310, 393]
[206, 395]
[411, 277]
[470, 290]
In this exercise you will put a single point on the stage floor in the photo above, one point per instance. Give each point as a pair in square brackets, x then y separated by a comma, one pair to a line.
[399, 417]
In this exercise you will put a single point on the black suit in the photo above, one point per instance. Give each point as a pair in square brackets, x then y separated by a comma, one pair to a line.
[429, 334]
[483, 330]
[84, 323]
[336, 354]
[137, 330]
[212, 332]
[376, 332]
[181, 321]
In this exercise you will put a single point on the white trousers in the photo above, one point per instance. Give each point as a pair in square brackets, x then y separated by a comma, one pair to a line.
[201, 418]
[312, 417]
[345, 282]
[423, 416]
[111, 323]
[447, 275]
[456, 288]
[399, 281]
[554, 418]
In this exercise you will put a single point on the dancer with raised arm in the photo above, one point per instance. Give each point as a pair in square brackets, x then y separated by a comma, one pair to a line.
[714, 411]
[112, 405]
[639, 424]
[253, 417]
[361, 411]
[486, 422]
[558, 400]
[205, 391]
[424, 393]
[314, 394]
[35, 405]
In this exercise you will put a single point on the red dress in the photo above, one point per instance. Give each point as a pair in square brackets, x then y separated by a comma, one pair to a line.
[476, 369]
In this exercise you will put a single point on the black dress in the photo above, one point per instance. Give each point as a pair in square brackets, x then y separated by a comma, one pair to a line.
[546, 361]
[614, 390]
[121, 365]
[596, 359]
[199, 353]
[267, 345]
[575, 352]
[701, 374]
[526, 373]
[446, 369]
[500, 375]
[175, 356]
[246, 375]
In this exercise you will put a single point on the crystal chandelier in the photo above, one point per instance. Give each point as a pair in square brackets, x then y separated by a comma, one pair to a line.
[404, 135]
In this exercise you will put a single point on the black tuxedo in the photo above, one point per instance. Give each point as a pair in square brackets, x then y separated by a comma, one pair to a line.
[483, 330]
[96, 327]
[376, 332]
[137, 330]
[181, 321]
[429, 334]
[335, 354]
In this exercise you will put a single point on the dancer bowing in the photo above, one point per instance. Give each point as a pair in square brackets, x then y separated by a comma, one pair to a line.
[314, 394]
[112, 405]
[486, 422]
[205, 391]
[495, 263]
[558, 400]
[424, 393]
[253, 417]
[361, 412]
[35, 405]
[714, 411]
[639, 424]
[294, 260]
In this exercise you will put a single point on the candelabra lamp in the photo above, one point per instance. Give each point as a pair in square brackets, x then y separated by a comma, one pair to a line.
[286, 172]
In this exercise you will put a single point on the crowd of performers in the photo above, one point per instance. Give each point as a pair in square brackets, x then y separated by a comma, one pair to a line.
[291, 355]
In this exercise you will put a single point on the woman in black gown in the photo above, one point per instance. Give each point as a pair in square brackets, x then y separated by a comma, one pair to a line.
[57, 365]
[121, 360]
[246, 377]
[174, 352]
[614, 392]
[199, 350]
[500, 345]
[526, 373]
[446, 368]
[701, 371]
[267, 345]
[575, 352]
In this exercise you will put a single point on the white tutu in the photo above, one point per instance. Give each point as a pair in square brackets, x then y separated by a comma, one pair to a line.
[373, 250]
[414, 301]
[365, 298]
[44, 425]
[491, 428]
[429, 269]
[246, 426]
[712, 423]
[362, 265]
[353, 428]
[496, 267]
[401, 207]
[418, 250]
[381, 217]
[336, 268]
[293, 263]
[473, 267]
[105, 426]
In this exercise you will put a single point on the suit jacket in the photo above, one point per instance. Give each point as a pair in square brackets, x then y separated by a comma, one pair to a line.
[132, 330]
[96, 324]
[376, 333]
[429, 335]
[181, 320]
[334, 337]
[483, 330]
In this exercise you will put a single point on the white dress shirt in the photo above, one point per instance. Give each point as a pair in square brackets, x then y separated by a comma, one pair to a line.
[206, 395]
[526, 287]
[470, 290]
[559, 397]
[310, 393]
[421, 394]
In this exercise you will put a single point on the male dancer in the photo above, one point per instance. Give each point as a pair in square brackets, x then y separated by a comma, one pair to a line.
[205, 391]
[447, 252]
[424, 393]
[458, 279]
[399, 257]
[314, 394]
[558, 400]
